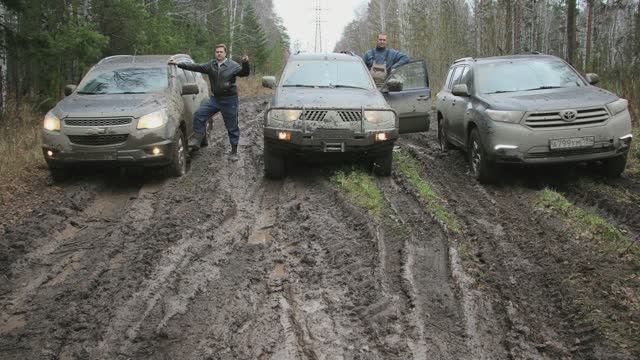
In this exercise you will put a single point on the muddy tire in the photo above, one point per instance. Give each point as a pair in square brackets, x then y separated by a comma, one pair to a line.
[444, 143]
[178, 165]
[59, 173]
[274, 165]
[382, 165]
[482, 169]
[613, 167]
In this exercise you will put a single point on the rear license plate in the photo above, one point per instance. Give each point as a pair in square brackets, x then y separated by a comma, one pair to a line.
[572, 143]
[97, 156]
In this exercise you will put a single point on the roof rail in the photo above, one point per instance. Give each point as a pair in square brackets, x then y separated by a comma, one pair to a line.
[463, 59]
[109, 58]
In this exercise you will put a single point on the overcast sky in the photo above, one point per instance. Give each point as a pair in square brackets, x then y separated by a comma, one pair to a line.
[299, 18]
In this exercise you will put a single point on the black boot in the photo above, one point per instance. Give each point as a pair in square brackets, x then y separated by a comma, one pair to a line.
[195, 141]
[234, 150]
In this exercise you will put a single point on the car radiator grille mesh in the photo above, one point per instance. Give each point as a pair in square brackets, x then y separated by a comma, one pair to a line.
[314, 115]
[553, 119]
[96, 140]
[98, 122]
[350, 116]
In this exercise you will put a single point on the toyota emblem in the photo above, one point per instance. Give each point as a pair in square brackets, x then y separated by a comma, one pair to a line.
[568, 115]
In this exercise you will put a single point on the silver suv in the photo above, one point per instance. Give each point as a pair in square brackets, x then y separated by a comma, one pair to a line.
[328, 104]
[531, 109]
[134, 110]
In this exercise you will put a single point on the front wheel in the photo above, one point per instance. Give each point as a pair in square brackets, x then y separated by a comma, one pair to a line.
[178, 165]
[383, 164]
[443, 141]
[274, 164]
[482, 169]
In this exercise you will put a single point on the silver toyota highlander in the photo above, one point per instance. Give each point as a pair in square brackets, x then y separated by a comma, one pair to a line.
[531, 109]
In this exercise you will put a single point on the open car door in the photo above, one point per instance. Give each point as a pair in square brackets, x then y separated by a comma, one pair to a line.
[413, 101]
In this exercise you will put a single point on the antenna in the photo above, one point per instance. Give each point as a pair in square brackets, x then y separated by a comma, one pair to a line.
[318, 43]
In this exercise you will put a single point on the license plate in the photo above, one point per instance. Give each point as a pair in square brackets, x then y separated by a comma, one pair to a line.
[572, 143]
[101, 156]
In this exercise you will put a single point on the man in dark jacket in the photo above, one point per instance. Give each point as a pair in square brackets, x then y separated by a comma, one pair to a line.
[381, 60]
[222, 76]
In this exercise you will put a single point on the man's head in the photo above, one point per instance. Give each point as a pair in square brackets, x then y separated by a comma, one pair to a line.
[220, 51]
[381, 43]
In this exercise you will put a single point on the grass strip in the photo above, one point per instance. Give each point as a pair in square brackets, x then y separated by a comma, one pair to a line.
[587, 224]
[410, 168]
[361, 188]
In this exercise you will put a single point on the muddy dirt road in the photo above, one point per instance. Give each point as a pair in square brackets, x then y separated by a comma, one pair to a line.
[224, 264]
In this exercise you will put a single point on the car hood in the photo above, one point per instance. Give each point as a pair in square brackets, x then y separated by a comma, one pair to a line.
[344, 98]
[107, 105]
[550, 99]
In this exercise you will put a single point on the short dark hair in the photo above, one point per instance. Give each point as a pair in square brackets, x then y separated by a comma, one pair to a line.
[220, 46]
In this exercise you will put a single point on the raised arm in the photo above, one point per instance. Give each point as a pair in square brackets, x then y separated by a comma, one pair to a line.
[201, 68]
[399, 58]
[244, 69]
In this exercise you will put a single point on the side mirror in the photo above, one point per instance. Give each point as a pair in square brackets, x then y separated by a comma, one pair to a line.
[393, 85]
[69, 89]
[269, 81]
[460, 90]
[592, 78]
[190, 89]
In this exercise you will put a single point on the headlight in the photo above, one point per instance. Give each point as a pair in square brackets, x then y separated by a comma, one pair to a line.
[51, 122]
[617, 106]
[285, 114]
[379, 117]
[505, 116]
[153, 120]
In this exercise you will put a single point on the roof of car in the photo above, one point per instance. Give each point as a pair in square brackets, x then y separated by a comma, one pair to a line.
[506, 57]
[324, 56]
[141, 59]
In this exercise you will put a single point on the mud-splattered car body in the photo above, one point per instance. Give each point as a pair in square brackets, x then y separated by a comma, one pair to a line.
[531, 109]
[335, 108]
[99, 122]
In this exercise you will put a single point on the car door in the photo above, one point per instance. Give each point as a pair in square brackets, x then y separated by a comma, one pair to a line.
[414, 101]
[458, 107]
[447, 104]
[189, 100]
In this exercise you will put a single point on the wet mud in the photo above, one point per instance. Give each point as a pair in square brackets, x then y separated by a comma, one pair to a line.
[225, 264]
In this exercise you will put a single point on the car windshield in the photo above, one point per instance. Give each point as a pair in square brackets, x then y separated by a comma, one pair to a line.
[131, 80]
[524, 75]
[326, 73]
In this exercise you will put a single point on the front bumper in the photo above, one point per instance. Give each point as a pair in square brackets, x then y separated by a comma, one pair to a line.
[322, 141]
[149, 147]
[516, 143]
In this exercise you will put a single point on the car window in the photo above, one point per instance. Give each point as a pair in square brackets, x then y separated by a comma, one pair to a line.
[326, 73]
[523, 75]
[463, 76]
[182, 77]
[412, 75]
[124, 81]
[190, 77]
[446, 82]
[457, 72]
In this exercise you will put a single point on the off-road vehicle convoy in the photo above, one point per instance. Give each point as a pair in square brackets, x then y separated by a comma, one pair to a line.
[531, 109]
[127, 110]
[328, 104]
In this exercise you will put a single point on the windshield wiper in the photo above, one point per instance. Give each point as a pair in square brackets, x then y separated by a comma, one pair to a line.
[299, 85]
[131, 92]
[347, 86]
[87, 93]
[543, 88]
[501, 91]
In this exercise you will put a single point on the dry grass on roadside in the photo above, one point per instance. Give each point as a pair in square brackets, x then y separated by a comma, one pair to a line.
[19, 144]
[252, 86]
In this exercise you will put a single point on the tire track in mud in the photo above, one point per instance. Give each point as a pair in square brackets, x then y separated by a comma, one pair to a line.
[524, 260]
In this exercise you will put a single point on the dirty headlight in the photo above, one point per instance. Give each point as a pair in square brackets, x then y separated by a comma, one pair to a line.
[505, 115]
[285, 114]
[153, 120]
[379, 117]
[51, 122]
[617, 106]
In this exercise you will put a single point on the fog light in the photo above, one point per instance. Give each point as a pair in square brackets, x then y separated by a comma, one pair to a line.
[49, 153]
[156, 151]
[381, 136]
[284, 135]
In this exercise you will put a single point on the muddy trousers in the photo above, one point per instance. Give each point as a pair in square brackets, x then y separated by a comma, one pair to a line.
[228, 106]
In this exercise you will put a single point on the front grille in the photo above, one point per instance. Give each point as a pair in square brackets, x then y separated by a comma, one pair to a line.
[98, 139]
[314, 115]
[552, 119]
[562, 153]
[350, 116]
[98, 122]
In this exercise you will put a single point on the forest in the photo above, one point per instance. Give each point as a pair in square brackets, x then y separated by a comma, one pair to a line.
[47, 44]
[599, 36]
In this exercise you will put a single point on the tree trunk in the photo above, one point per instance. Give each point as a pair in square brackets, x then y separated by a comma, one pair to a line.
[517, 27]
[508, 46]
[571, 31]
[587, 52]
